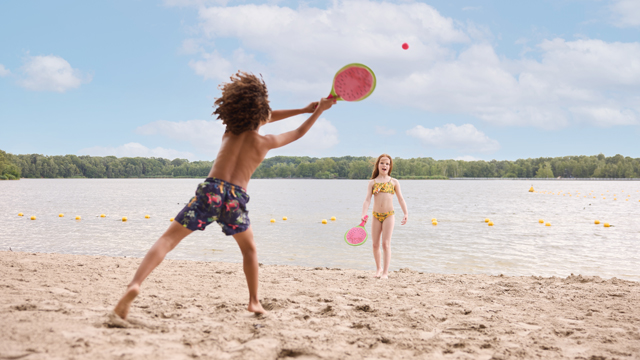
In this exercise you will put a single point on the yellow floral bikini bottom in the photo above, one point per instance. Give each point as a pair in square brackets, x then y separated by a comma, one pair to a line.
[382, 216]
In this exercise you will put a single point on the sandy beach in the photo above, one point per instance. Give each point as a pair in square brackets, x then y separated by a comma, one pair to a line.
[56, 306]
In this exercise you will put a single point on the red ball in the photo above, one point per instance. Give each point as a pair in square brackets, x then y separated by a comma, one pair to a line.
[405, 46]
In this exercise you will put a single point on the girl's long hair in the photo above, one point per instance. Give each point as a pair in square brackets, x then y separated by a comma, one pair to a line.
[376, 172]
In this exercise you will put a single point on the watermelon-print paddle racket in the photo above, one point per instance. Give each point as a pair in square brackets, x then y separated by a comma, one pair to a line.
[357, 235]
[353, 82]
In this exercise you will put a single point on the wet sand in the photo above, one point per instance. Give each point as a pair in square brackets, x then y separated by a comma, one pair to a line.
[55, 306]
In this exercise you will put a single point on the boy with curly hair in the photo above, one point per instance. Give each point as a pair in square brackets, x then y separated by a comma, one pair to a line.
[222, 198]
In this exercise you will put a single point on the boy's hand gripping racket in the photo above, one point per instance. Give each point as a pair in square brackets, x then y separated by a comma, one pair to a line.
[357, 235]
[353, 82]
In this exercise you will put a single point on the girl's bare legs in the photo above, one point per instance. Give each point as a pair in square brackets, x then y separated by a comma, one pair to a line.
[376, 231]
[172, 237]
[250, 266]
[387, 230]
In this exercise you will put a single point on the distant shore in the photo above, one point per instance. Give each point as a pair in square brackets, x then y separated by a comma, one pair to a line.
[342, 167]
[57, 306]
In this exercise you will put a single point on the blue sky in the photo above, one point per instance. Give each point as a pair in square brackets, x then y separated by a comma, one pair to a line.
[481, 79]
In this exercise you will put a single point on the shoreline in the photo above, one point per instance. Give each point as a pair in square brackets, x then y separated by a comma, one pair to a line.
[57, 306]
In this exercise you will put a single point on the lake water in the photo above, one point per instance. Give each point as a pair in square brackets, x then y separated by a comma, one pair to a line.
[461, 242]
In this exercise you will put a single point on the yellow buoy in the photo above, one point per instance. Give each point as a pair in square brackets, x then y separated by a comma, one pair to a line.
[78, 217]
[433, 219]
[490, 223]
[273, 220]
[124, 218]
[541, 221]
[486, 220]
[33, 218]
[61, 215]
[147, 216]
[434, 223]
[103, 215]
[20, 214]
[547, 224]
[597, 222]
[171, 219]
[607, 225]
[284, 218]
[615, 199]
[324, 221]
[626, 199]
[531, 189]
[333, 218]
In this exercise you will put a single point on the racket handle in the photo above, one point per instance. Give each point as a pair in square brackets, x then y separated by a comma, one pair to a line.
[330, 96]
[366, 217]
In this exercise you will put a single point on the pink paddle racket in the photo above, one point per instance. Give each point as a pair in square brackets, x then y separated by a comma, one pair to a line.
[353, 82]
[357, 235]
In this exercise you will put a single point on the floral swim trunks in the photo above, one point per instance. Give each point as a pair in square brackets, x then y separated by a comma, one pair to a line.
[220, 201]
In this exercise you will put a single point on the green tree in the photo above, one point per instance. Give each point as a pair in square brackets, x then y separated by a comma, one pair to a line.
[9, 170]
[545, 171]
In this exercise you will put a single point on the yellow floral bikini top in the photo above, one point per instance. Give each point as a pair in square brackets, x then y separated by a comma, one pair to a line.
[386, 187]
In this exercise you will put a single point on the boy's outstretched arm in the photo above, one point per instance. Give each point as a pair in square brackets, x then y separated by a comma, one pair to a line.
[276, 141]
[283, 114]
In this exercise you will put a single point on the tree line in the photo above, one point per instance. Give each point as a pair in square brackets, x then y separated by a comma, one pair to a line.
[345, 167]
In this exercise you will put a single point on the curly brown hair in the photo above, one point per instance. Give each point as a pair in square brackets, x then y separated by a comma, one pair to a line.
[244, 104]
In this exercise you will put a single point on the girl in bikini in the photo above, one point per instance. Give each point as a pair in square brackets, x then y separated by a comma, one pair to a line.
[382, 187]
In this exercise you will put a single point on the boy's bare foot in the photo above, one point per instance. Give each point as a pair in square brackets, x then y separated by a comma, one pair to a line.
[256, 307]
[123, 306]
[384, 276]
[378, 273]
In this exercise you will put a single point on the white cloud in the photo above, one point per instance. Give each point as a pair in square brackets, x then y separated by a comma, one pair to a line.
[302, 48]
[382, 130]
[191, 46]
[551, 93]
[194, 3]
[4, 71]
[322, 136]
[136, 150]
[464, 138]
[204, 135]
[51, 73]
[626, 13]
[467, 158]
[606, 115]
[471, 8]
[215, 67]
[561, 82]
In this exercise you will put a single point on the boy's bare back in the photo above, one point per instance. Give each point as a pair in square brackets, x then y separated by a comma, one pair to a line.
[241, 154]
[238, 157]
